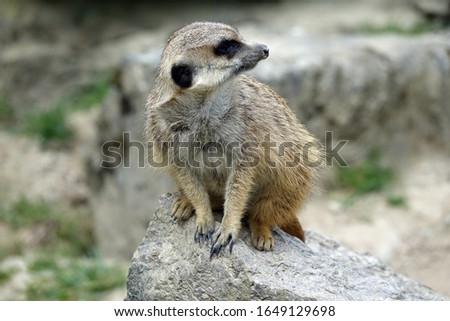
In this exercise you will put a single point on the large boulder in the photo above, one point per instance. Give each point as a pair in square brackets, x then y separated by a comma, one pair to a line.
[169, 265]
[433, 8]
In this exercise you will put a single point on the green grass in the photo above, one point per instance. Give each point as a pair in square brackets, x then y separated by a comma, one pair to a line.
[395, 28]
[6, 112]
[68, 232]
[90, 95]
[5, 275]
[24, 213]
[66, 266]
[75, 234]
[396, 200]
[73, 280]
[42, 263]
[366, 177]
[51, 125]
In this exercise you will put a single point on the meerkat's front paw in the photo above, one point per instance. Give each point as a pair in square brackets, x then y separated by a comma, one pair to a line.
[204, 228]
[182, 209]
[223, 237]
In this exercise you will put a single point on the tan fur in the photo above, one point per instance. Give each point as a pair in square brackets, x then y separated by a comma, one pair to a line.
[223, 105]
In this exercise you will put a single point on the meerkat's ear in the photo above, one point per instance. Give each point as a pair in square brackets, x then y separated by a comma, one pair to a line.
[182, 75]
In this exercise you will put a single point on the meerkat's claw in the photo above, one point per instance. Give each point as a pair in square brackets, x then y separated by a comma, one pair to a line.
[221, 242]
[231, 246]
[202, 235]
[215, 250]
[205, 237]
[204, 229]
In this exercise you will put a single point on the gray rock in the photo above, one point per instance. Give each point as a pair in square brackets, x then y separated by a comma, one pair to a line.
[433, 8]
[169, 265]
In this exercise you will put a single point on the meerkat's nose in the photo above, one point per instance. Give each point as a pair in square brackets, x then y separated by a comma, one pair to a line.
[265, 51]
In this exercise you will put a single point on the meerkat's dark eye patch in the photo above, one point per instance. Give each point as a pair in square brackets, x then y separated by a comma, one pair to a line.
[182, 75]
[227, 48]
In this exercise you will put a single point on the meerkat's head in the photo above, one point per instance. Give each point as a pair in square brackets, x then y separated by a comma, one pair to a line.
[203, 55]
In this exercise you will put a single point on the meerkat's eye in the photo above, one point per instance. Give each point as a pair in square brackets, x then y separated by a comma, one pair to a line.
[227, 48]
[182, 75]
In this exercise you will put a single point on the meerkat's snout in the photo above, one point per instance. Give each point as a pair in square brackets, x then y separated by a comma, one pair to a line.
[259, 50]
[265, 51]
[251, 56]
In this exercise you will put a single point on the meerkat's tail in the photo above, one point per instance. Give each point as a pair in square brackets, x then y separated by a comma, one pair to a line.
[294, 228]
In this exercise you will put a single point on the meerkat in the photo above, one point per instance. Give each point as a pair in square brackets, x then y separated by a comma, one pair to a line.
[229, 141]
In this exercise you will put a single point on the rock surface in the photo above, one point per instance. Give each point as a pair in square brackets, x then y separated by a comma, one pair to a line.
[433, 8]
[169, 265]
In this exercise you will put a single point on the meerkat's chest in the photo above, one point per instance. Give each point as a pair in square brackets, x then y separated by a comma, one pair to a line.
[206, 147]
[211, 121]
[204, 135]
[207, 150]
[205, 155]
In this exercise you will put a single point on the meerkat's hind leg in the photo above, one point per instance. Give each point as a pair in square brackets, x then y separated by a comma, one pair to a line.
[261, 233]
[268, 211]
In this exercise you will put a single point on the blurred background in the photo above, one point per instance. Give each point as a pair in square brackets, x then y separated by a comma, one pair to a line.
[75, 74]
